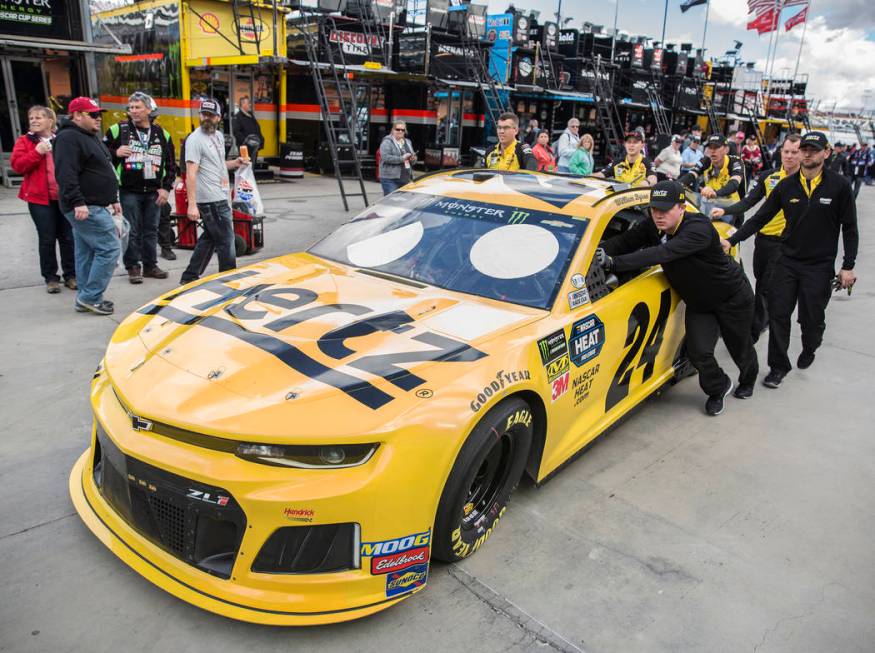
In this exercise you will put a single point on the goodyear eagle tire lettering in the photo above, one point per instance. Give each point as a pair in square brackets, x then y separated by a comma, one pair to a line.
[485, 474]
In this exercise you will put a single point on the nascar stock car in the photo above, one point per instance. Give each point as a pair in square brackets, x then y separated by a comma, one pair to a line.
[293, 442]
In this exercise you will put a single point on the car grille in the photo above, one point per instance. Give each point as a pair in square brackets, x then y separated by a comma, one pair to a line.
[200, 524]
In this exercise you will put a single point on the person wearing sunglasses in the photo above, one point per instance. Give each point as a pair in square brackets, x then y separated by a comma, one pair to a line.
[87, 185]
[396, 158]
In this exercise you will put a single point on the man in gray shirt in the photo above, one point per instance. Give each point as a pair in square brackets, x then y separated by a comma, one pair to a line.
[208, 188]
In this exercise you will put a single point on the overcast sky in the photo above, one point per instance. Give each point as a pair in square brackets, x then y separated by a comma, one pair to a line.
[838, 53]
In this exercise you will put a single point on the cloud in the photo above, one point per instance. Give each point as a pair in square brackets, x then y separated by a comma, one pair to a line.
[729, 12]
[841, 79]
[846, 13]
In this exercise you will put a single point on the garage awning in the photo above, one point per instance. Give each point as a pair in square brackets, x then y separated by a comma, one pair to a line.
[571, 96]
[57, 44]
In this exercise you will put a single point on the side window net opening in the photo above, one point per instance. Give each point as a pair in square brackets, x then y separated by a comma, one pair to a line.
[600, 284]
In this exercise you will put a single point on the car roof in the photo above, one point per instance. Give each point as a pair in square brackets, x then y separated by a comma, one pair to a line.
[571, 196]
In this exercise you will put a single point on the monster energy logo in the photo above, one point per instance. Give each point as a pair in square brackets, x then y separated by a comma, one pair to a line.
[518, 217]
[545, 350]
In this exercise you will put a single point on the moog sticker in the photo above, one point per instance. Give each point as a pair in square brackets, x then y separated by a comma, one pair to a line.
[398, 545]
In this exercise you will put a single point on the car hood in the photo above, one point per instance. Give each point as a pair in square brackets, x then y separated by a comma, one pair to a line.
[300, 341]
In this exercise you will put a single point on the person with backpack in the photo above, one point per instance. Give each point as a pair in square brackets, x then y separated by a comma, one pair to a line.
[145, 165]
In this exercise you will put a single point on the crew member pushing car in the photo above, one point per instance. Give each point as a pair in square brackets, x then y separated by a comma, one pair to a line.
[817, 204]
[718, 295]
[509, 153]
[768, 239]
[635, 167]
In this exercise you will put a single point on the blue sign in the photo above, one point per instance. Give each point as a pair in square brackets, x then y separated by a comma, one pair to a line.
[587, 339]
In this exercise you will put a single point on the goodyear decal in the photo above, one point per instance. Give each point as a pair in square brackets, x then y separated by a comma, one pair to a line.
[502, 379]
[398, 545]
[401, 582]
[587, 339]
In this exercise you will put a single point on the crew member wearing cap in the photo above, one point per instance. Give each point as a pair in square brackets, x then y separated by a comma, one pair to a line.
[817, 204]
[86, 186]
[206, 181]
[721, 173]
[635, 168]
[145, 165]
[509, 153]
[717, 294]
[768, 239]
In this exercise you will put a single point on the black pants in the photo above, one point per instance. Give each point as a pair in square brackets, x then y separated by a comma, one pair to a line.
[142, 214]
[732, 321]
[857, 182]
[52, 227]
[218, 236]
[765, 253]
[166, 237]
[809, 285]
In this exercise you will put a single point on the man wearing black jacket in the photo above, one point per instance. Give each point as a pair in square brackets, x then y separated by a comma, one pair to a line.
[145, 165]
[768, 239]
[247, 131]
[717, 294]
[817, 204]
[86, 186]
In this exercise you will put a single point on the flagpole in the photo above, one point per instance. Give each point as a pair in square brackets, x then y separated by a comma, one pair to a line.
[798, 57]
[779, 6]
[705, 31]
[614, 38]
[664, 19]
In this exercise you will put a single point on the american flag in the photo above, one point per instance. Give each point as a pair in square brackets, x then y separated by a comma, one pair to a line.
[759, 6]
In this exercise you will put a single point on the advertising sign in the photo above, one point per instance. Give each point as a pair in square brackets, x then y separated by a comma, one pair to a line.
[54, 19]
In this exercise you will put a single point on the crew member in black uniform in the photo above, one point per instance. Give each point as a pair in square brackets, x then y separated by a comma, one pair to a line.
[635, 168]
[721, 174]
[817, 204]
[768, 239]
[718, 295]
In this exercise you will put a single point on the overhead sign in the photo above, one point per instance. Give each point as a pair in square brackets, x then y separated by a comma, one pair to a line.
[57, 19]
[213, 32]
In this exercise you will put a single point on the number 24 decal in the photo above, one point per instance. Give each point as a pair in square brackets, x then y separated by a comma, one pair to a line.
[639, 321]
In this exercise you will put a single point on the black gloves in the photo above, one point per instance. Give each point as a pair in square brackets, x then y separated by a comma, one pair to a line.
[603, 260]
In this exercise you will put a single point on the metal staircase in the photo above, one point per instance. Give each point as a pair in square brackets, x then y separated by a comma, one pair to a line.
[340, 127]
[708, 104]
[607, 115]
[660, 116]
[494, 100]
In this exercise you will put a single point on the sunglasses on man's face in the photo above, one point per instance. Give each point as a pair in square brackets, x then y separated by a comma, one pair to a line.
[398, 129]
[97, 115]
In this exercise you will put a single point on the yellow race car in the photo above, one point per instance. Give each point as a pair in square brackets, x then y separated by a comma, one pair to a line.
[293, 442]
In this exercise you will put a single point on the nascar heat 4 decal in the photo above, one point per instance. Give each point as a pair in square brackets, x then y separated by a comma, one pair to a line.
[587, 339]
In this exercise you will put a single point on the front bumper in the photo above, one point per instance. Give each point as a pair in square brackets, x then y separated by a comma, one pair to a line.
[263, 494]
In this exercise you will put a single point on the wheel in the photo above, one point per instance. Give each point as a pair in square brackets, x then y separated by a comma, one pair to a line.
[485, 473]
[239, 245]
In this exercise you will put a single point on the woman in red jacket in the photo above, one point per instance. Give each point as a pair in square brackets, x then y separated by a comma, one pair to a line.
[32, 157]
[544, 153]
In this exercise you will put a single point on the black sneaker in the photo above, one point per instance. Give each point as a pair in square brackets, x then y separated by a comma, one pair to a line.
[103, 308]
[167, 253]
[806, 358]
[743, 391]
[135, 274]
[773, 378]
[714, 406]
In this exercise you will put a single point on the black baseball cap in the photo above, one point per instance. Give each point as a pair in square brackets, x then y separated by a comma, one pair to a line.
[633, 136]
[666, 195]
[715, 141]
[211, 106]
[816, 140]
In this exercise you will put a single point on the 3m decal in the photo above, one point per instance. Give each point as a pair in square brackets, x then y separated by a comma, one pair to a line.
[639, 321]
[331, 344]
[401, 582]
[399, 561]
[304, 515]
[583, 384]
[398, 545]
[560, 386]
[587, 339]
[502, 379]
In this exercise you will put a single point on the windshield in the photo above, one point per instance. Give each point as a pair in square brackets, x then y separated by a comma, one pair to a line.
[513, 255]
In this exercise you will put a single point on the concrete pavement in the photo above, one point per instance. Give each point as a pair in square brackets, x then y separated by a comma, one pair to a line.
[676, 532]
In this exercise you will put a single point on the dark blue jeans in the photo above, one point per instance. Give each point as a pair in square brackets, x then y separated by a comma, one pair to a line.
[97, 252]
[52, 227]
[218, 236]
[143, 215]
[390, 185]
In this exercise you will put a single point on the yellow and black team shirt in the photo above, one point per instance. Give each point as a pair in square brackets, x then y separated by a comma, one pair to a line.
[717, 179]
[518, 156]
[637, 170]
[762, 186]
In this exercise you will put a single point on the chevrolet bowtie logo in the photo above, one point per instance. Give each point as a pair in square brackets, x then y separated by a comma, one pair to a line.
[140, 424]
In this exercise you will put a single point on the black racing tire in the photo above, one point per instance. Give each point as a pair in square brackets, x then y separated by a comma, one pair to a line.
[486, 472]
[239, 245]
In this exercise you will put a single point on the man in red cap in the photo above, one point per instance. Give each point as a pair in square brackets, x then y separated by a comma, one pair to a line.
[87, 185]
